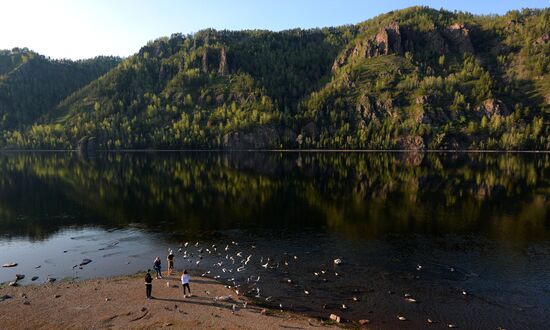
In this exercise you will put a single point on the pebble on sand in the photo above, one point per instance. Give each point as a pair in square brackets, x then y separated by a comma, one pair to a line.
[5, 297]
[335, 318]
[10, 264]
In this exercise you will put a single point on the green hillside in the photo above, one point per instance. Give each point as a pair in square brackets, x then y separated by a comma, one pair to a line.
[417, 78]
[31, 85]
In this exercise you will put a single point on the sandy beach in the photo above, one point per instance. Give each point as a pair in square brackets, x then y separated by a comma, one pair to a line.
[120, 302]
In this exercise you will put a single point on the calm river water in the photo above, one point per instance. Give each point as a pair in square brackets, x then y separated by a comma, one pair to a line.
[465, 235]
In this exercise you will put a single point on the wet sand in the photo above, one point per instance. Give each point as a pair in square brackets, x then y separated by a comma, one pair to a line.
[120, 302]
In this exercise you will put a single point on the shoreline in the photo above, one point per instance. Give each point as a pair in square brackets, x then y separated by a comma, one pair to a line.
[119, 302]
[395, 151]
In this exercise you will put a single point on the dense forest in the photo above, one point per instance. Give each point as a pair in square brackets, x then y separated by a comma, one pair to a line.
[31, 85]
[417, 78]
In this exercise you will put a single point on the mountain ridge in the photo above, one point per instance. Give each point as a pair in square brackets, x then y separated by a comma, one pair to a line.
[416, 78]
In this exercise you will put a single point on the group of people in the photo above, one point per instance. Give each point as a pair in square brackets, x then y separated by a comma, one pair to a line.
[157, 267]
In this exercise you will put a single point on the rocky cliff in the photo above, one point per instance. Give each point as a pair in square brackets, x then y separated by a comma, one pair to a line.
[393, 39]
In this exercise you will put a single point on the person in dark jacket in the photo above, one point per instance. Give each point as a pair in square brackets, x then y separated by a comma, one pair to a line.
[156, 267]
[170, 260]
[148, 284]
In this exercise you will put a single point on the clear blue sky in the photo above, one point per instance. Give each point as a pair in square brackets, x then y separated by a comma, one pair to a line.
[86, 28]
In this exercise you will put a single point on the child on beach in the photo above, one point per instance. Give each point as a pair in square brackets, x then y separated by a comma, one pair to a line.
[170, 259]
[185, 283]
[156, 267]
[148, 284]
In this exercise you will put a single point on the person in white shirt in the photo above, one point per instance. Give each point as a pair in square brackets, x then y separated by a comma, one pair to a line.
[185, 282]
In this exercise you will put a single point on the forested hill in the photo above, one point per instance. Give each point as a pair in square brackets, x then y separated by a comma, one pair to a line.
[417, 78]
[32, 85]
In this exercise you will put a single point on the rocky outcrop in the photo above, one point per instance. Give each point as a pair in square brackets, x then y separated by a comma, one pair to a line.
[86, 146]
[215, 59]
[388, 40]
[365, 108]
[371, 109]
[492, 107]
[258, 138]
[412, 142]
[459, 38]
[308, 134]
[205, 60]
[544, 39]
[223, 69]
[433, 42]
[393, 39]
[82, 145]
[343, 58]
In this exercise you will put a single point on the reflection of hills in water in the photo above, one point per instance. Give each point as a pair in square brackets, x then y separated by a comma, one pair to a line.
[359, 194]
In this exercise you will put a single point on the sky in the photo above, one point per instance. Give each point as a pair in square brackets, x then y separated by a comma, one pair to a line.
[79, 29]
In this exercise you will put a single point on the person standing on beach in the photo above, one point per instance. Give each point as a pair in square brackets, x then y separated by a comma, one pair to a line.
[170, 259]
[185, 283]
[156, 267]
[148, 284]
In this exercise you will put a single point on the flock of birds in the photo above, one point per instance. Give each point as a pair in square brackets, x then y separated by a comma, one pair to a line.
[230, 261]
[233, 260]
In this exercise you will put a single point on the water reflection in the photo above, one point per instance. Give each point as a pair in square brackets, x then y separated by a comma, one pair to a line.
[483, 215]
[361, 195]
